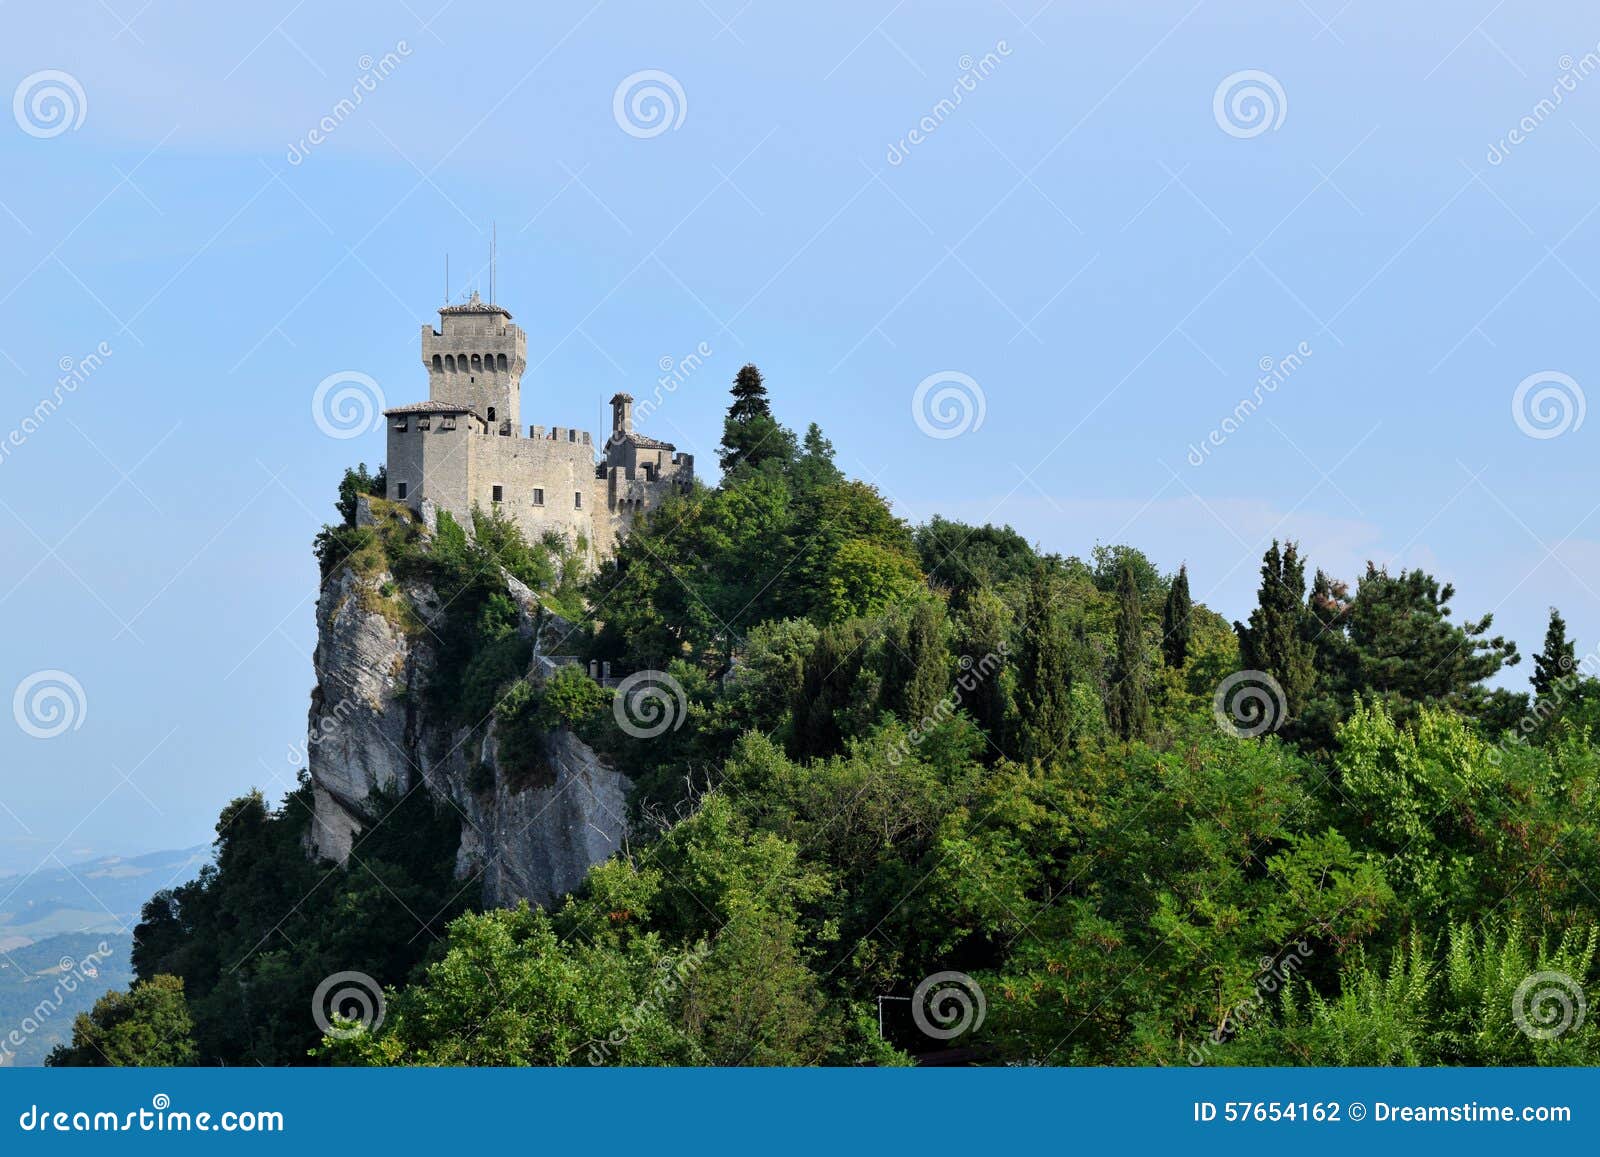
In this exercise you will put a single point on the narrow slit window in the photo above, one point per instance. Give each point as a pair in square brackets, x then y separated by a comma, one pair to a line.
[498, 493]
[538, 496]
[577, 500]
[400, 490]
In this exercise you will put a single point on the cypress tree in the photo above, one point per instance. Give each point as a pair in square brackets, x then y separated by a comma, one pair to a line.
[1557, 660]
[1175, 621]
[1130, 701]
[1275, 640]
[982, 632]
[917, 666]
[1044, 675]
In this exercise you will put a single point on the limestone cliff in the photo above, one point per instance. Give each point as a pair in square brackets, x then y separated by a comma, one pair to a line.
[370, 730]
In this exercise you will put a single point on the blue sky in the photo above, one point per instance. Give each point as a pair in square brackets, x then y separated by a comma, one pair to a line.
[1084, 236]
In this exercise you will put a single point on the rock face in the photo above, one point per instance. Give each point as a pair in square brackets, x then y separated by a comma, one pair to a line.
[369, 731]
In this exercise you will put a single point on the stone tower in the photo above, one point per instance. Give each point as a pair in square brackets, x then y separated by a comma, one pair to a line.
[465, 449]
[475, 359]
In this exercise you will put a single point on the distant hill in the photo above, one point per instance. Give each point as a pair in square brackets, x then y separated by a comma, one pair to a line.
[65, 936]
[99, 895]
[43, 986]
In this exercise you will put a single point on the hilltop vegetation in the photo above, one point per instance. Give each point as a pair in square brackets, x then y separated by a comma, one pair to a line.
[892, 752]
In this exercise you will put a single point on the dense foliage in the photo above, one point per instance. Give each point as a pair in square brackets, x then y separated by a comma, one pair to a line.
[911, 751]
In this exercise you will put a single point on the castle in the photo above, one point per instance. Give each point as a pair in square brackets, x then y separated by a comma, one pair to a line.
[465, 446]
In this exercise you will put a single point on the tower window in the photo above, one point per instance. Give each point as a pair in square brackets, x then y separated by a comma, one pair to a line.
[438, 362]
[500, 361]
[491, 413]
[572, 435]
[498, 493]
[400, 491]
[577, 500]
[538, 496]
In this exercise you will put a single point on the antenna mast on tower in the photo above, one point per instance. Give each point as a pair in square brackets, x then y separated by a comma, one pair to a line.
[494, 239]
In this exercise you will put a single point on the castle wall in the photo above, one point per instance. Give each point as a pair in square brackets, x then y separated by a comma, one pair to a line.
[559, 467]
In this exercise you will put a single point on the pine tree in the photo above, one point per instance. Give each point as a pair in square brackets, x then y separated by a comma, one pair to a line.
[1275, 640]
[1044, 675]
[815, 467]
[750, 434]
[1556, 661]
[749, 395]
[1130, 701]
[1175, 629]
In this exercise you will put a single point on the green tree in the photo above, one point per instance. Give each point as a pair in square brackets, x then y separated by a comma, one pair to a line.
[1556, 662]
[509, 990]
[982, 631]
[917, 659]
[1175, 627]
[971, 558]
[1130, 700]
[355, 483]
[147, 1026]
[751, 436]
[1402, 645]
[815, 468]
[1044, 675]
[1274, 641]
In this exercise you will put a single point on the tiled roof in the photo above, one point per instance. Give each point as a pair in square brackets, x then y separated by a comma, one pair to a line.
[433, 408]
[648, 443]
[475, 304]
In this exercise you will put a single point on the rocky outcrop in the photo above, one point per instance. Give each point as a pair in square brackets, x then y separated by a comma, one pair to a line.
[370, 731]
